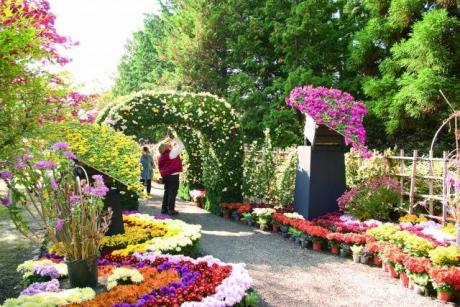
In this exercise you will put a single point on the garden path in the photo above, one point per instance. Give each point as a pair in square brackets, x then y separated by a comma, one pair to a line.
[14, 249]
[285, 275]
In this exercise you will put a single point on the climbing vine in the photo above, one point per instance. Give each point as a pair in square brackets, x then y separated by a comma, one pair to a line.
[208, 126]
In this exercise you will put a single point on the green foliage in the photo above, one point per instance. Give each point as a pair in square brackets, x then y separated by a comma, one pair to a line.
[294, 232]
[104, 149]
[394, 54]
[251, 299]
[184, 192]
[259, 173]
[28, 41]
[286, 182]
[143, 66]
[379, 203]
[268, 177]
[408, 51]
[247, 217]
[359, 171]
[210, 130]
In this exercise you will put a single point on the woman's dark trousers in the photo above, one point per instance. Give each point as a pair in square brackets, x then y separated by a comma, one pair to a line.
[171, 183]
[148, 184]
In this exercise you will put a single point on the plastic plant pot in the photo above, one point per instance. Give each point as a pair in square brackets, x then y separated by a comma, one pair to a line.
[335, 249]
[82, 273]
[404, 279]
[317, 245]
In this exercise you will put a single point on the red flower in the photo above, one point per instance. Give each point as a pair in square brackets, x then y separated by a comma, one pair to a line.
[417, 265]
[313, 231]
[231, 206]
[446, 275]
[373, 246]
[281, 219]
[349, 238]
[245, 208]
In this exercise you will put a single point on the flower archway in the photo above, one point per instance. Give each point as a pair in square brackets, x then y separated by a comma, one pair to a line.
[208, 126]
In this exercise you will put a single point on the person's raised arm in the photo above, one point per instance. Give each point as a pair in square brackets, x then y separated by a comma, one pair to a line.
[177, 149]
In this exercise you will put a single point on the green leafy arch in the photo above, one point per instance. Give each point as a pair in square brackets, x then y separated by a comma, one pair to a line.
[208, 126]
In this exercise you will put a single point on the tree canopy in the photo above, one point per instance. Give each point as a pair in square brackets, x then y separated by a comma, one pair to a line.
[30, 95]
[395, 55]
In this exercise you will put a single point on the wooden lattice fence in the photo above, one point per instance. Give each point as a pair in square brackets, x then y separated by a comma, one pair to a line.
[422, 180]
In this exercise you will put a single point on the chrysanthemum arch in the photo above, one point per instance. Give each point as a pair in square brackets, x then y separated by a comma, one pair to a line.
[208, 126]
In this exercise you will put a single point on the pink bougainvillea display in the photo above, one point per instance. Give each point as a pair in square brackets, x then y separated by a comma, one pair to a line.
[334, 108]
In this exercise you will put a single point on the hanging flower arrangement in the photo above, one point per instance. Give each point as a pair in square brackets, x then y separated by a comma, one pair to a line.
[334, 108]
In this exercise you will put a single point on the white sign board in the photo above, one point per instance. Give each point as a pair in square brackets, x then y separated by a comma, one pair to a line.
[310, 129]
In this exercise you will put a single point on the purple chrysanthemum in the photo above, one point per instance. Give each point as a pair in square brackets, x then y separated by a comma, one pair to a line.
[21, 165]
[38, 287]
[6, 175]
[70, 155]
[60, 146]
[6, 201]
[59, 224]
[73, 199]
[45, 165]
[46, 271]
[53, 184]
[99, 189]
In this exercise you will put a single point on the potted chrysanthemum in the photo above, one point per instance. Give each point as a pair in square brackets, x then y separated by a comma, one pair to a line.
[357, 251]
[64, 209]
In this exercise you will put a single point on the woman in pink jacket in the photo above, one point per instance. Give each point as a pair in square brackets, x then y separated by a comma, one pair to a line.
[170, 166]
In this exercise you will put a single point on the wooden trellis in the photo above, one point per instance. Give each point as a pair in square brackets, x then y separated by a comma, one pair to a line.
[412, 178]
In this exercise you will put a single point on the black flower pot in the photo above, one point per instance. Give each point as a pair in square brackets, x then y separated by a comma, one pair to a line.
[305, 243]
[344, 253]
[82, 273]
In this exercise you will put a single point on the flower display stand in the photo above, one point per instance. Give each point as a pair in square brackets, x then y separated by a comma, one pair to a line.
[320, 177]
[112, 200]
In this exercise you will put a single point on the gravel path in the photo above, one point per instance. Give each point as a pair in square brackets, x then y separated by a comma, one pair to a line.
[285, 275]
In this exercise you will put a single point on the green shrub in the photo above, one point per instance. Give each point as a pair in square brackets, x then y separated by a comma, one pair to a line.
[250, 300]
[360, 170]
[286, 182]
[376, 200]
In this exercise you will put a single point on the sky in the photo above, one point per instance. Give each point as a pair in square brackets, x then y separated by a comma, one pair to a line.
[102, 28]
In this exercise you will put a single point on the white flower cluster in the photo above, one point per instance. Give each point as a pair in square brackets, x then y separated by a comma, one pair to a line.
[27, 267]
[50, 299]
[186, 235]
[294, 215]
[125, 275]
[263, 211]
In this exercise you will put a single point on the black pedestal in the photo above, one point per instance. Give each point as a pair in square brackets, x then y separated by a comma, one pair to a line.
[113, 201]
[320, 180]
